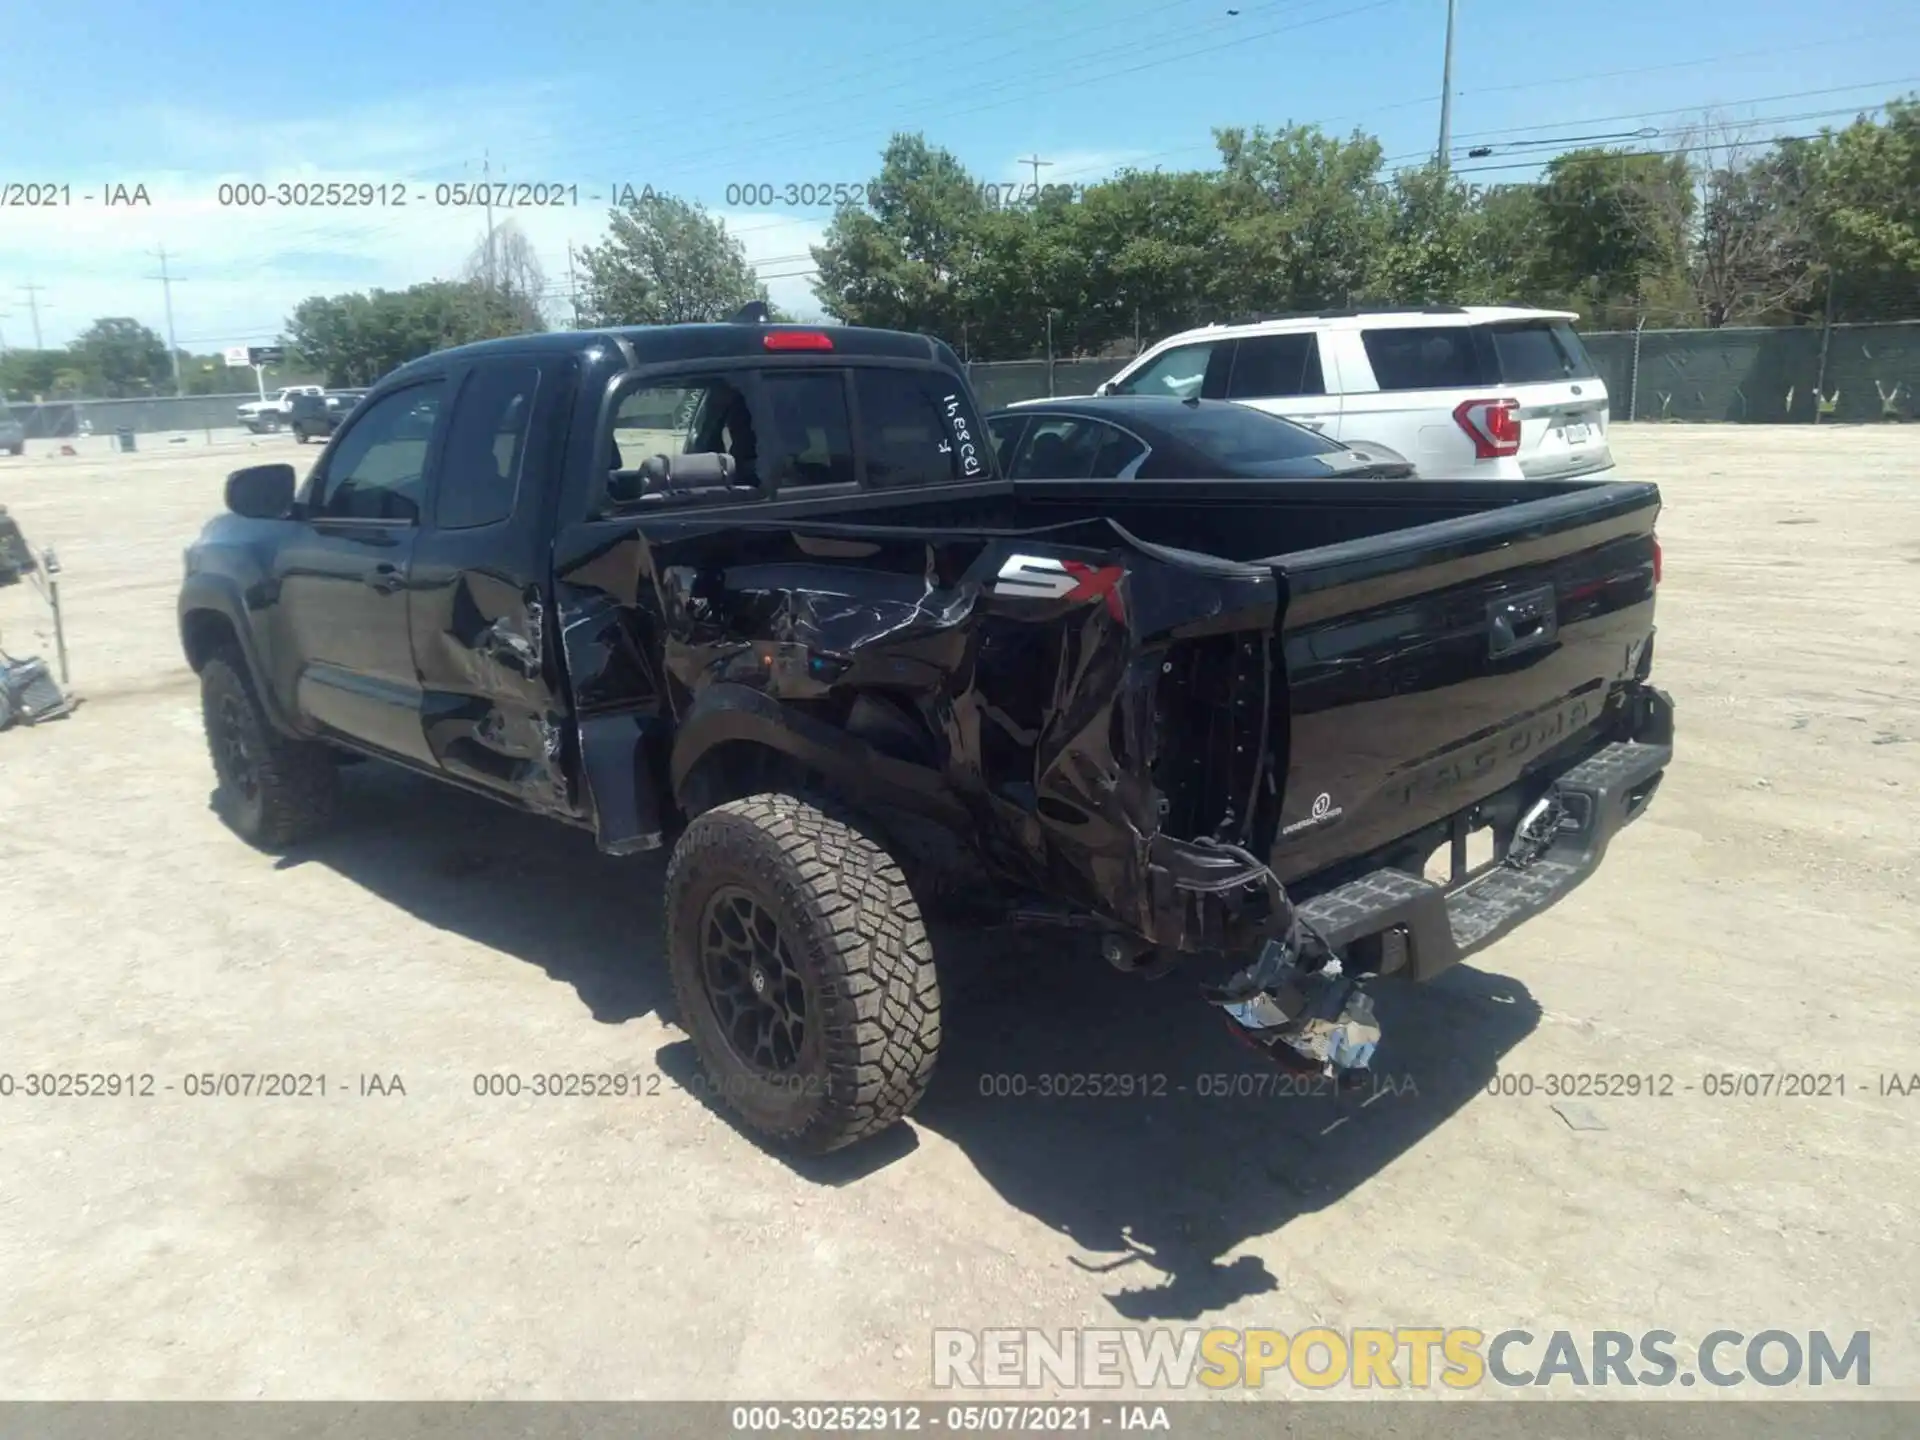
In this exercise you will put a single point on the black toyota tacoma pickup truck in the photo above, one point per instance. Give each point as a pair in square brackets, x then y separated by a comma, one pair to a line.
[761, 592]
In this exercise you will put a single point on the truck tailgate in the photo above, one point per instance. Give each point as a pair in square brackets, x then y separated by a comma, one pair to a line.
[1429, 668]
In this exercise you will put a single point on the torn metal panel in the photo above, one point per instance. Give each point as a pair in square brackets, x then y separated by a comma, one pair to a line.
[488, 707]
[1010, 685]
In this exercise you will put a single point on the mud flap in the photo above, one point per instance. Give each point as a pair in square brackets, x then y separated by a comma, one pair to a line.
[1297, 1004]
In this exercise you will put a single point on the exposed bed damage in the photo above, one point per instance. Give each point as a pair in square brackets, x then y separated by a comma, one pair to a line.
[964, 679]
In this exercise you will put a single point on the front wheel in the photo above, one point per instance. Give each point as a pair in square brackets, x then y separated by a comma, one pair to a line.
[300, 434]
[802, 971]
[273, 791]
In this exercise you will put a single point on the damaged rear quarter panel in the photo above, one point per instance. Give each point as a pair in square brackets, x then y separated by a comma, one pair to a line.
[1026, 666]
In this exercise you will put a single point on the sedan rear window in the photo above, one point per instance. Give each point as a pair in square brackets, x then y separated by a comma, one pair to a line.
[1238, 435]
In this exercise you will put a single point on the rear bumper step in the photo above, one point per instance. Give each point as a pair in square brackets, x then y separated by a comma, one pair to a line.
[1424, 928]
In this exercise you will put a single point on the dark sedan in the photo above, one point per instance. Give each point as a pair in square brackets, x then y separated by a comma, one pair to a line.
[1151, 437]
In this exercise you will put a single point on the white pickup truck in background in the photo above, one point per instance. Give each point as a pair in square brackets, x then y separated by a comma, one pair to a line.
[260, 416]
[1474, 392]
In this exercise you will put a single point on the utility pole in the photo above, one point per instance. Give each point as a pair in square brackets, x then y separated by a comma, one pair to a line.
[1446, 95]
[32, 292]
[1036, 162]
[166, 288]
[486, 179]
[573, 288]
[4, 315]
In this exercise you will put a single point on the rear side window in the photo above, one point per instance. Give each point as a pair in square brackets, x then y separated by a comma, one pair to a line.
[1179, 372]
[486, 445]
[704, 415]
[1534, 351]
[1066, 448]
[1236, 435]
[1441, 357]
[813, 429]
[917, 428]
[1272, 366]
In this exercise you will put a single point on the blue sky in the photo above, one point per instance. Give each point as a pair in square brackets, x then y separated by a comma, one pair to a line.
[697, 98]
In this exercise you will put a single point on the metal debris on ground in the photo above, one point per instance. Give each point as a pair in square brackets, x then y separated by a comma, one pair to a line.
[1578, 1116]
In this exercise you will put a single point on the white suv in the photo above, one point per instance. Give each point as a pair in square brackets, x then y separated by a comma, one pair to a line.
[1464, 392]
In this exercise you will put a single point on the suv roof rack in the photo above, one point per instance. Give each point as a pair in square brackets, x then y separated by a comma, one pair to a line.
[1347, 313]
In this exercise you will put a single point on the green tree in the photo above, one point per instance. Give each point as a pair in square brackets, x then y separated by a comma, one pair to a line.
[665, 261]
[25, 374]
[121, 357]
[1612, 233]
[1428, 252]
[1864, 210]
[905, 261]
[1307, 211]
[356, 338]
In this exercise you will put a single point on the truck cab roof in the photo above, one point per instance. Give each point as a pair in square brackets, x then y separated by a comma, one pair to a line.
[662, 344]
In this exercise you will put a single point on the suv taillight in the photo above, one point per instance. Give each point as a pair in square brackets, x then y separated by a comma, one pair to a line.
[1492, 425]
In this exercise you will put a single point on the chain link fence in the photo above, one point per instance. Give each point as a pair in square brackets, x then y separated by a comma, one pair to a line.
[1790, 374]
[1800, 374]
[150, 415]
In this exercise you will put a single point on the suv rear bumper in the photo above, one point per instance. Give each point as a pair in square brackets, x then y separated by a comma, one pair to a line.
[1424, 928]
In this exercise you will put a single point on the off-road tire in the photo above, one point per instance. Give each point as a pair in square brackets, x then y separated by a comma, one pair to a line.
[853, 932]
[300, 434]
[294, 782]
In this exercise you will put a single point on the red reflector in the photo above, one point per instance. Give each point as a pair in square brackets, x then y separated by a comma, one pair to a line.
[798, 340]
[1656, 559]
[1492, 425]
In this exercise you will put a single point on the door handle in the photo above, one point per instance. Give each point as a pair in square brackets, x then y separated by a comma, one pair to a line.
[385, 578]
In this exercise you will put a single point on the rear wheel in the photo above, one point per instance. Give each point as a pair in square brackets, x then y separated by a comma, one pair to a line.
[300, 433]
[802, 971]
[273, 791]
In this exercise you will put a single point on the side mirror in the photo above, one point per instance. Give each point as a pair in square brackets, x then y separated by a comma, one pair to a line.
[261, 492]
[670, 475]
[1105, 387]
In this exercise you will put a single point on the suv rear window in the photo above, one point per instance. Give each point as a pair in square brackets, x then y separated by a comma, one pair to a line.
[1540, 350]
[1463, 357]
[1438, 357]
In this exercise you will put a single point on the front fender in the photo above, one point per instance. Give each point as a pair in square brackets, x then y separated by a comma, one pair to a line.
[207, 594]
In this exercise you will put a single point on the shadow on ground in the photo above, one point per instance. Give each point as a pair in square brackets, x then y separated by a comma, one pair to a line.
[522, 884]
[1215, 1145]
[1119, 1112]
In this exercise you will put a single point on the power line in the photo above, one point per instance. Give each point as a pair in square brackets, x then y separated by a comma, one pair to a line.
[1029, 94]
[1695, 109]
[1536, 84]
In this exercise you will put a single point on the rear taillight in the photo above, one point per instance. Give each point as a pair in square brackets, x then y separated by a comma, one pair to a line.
[1656, 559]
[1492, 425]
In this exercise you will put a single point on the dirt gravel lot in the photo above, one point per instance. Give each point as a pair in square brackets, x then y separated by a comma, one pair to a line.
[438, 1244]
